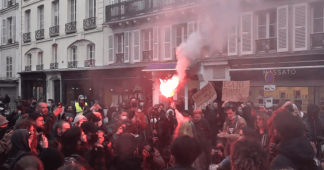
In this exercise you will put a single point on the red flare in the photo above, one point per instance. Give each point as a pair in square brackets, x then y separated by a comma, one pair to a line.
[168, 87]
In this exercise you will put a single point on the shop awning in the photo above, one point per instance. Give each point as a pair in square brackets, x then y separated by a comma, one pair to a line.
[161, 67]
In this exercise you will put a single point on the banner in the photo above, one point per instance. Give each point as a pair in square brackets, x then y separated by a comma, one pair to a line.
[236, 91]
[205, 96]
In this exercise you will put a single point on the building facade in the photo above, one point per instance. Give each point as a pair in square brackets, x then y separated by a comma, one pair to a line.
[61, 40]
[9, 49]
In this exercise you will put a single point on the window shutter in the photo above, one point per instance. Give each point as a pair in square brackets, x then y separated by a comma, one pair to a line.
[137, 45]
[156, 43]
[4, 35]
[13, 29]
[167, 43]
[90, 8]
[300, 30]
[232, 41]
[126, 41]
[246, 30]
[190, 28]
[282, 28]
[110, 49]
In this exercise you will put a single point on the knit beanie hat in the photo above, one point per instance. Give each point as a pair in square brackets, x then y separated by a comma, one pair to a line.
[3, 120]
[34, 115]
[78, 118]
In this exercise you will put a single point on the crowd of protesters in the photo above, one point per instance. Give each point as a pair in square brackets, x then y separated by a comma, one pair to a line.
[223, 136]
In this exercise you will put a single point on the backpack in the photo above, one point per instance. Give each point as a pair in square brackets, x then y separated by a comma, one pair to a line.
[10, 163]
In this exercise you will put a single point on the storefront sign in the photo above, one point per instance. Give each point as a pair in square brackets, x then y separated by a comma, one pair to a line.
[281, 72]
[236, 91]
[205, 96]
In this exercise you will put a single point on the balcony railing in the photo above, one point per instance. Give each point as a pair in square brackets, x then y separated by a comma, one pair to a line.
[26, 37]
[317, 40]
[10, 3]
[133, 7]
[89, 23]
[148, 55]
[54, 31]
[53, 66]
[39, 67]
[90, 63]
[39, 34]
[28, 68]
[70, 27]
[120, 58]
[266, 45]
[72, 64]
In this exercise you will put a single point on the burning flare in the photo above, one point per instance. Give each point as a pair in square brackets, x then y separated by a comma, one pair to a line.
[168, 87]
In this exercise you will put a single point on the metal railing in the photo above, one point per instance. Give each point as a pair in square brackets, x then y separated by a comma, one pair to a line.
[133, 7]
[28, 68]
[26, 37]
[40, 67]
[89, 23]
[72, 64]
[317, 40]
[54, 31]
[70, 27]
[120, 58]
[39, 34]
[148, 55]
[266, 45]
[53, 66]
[90, 63]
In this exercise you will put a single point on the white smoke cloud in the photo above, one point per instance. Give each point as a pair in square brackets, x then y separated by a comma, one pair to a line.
[214, 23]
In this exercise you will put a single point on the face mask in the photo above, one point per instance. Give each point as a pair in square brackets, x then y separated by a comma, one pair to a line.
[19, 112]
[34, 103]
[124, 117]
[48, 104]
[141, 104]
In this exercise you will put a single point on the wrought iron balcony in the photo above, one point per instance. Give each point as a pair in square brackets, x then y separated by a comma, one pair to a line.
[26, 37]
[70, 27]
[317, 40]
[10, 41]
[130, 8]
[266, 45]
[39, 34]
[72, 64]
[89, 23]
[148, 55]
[28, 68]
[54, 31]
[120, 58]
[10, 3]
[39, 67]
[53, 66]
[90, 63]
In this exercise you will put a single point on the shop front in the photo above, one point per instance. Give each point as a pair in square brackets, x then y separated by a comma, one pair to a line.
[33, 85]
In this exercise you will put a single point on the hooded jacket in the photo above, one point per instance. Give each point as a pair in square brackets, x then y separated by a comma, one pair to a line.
[19, 142]
[295, 154]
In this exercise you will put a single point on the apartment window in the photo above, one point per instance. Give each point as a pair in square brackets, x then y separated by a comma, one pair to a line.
[4, 31]
[318, 15]
[73, 10]
[4, 3]
[41, 17]
[120, 43]
[267, 22]
[91, 51]
[92, 8]
[27, 16]
[74, 54]
[29, 59]
[55, 13]
[9, 67]
[10, 28]
[40, 58]
[181, 33]
[54, 53]
[147, 39]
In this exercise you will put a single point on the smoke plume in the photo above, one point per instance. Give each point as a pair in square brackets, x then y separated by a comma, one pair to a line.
[214, 23]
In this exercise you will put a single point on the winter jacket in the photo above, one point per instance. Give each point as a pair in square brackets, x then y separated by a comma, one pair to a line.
[314, 128]
[49, 123]
[296, 154]
[126, 164]
[76, 159]
[96, 158]
[5, 147]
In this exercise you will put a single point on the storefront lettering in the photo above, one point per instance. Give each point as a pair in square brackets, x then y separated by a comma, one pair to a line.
[282, 72]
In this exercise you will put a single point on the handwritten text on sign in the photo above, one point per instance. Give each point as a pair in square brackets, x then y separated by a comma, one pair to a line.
[236, 91]
[205, 96]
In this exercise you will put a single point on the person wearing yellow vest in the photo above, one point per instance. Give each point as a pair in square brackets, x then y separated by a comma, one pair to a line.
[80, 106]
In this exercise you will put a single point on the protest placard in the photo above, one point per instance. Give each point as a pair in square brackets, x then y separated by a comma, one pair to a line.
[205, 96]
[236, 91]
